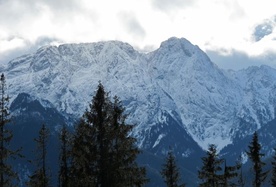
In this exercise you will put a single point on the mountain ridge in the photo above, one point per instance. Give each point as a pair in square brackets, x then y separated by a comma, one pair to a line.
[176, 81]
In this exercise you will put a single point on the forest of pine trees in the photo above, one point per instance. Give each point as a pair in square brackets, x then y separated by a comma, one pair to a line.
[100, 153]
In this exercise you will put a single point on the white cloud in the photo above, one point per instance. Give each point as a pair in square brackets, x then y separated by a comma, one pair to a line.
[132, 25]
[12, 43]
[172, 5]
[221, 26]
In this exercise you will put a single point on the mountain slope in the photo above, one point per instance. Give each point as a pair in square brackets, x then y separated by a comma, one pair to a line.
[205, 97]
[28, 115]
[176, 82]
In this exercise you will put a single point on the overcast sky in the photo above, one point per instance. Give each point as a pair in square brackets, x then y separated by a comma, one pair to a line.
[234, 33]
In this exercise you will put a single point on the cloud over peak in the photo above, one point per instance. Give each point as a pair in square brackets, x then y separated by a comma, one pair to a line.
[222, 26]
[264, 29]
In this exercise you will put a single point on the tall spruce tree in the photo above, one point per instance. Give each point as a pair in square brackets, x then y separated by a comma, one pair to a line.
[7, 176]
[64, 157]
[255, 155]
[273, 175]
[83, 164]
[40, 177]
[209, 173]
[103, 153]
[170, 172]
[123, 150]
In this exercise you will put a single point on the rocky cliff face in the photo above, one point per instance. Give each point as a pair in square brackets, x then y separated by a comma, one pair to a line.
[175, 88]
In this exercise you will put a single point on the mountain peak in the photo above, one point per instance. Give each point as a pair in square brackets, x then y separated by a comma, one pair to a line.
[177, 79]
[175, 40]
[178, 45]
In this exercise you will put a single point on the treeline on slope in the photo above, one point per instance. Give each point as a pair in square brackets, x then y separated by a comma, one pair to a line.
[100, 152]
[216, 173]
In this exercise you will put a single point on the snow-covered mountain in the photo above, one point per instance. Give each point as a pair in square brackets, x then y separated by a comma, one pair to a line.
[177, 83]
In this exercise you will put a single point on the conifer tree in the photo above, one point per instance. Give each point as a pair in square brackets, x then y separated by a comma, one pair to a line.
[64, 157]
[273, 176]
[229, 173]
[83, 167]
[209, 173]
[103, 153]
[7, 175]
[170, 172]
[40, 177]
[255, 156]
[123, 150]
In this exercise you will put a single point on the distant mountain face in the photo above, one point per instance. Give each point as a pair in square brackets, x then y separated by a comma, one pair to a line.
[174, 90]
[28, 115]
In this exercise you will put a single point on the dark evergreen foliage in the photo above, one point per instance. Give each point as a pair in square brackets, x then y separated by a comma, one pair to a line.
[209, 173]
[273, 176]
[255, 156]
[40, 177]
[230, 172]
[64, 158]
[83, 169]
[8, 177]
[170, 172]
[103, 153]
